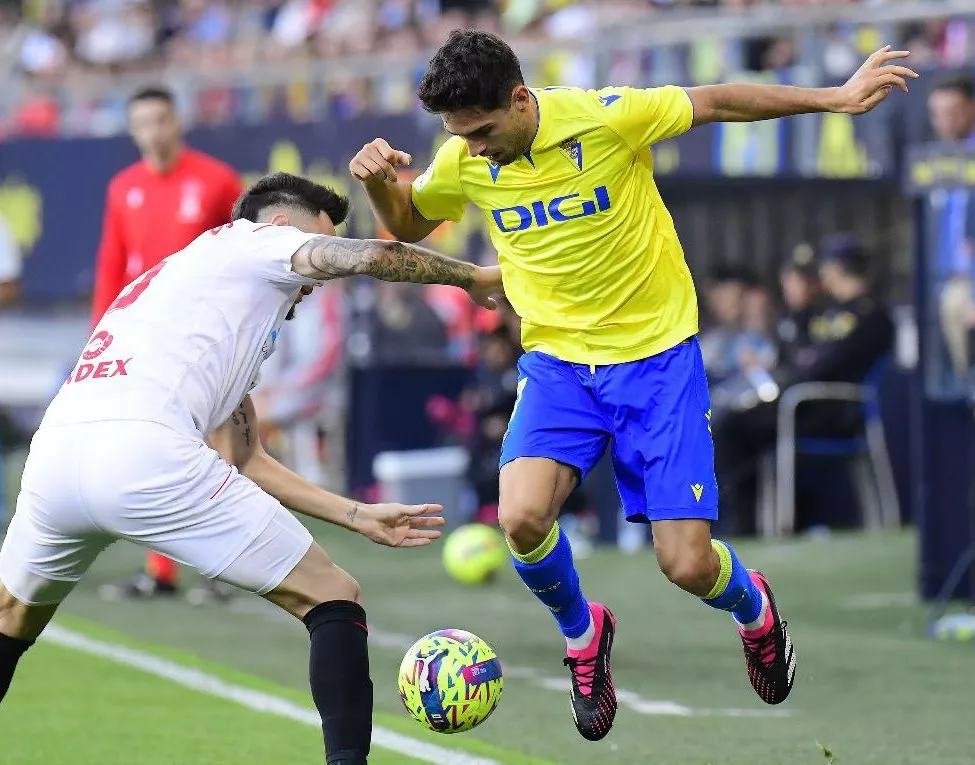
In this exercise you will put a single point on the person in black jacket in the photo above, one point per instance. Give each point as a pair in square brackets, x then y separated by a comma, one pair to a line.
[803, 298]
[847, 335]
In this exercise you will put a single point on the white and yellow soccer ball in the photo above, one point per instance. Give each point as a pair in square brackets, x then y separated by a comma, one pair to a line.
[473, 554]
[450, 681]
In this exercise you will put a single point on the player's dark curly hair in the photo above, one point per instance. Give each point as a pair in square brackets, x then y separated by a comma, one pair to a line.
[287, 190]
[472, 70]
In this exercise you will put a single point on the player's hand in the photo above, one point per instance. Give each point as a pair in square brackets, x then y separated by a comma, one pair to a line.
[377, 161]
[487, 284]
[872, 82]
[396, 525]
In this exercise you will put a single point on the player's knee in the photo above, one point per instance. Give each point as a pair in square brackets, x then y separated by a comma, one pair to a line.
[525, 524]
[686, 566]
[337, 584]
[315, 580]
[19, 620]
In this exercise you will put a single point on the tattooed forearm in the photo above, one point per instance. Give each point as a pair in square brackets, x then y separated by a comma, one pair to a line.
[353, 513]
[328, 257]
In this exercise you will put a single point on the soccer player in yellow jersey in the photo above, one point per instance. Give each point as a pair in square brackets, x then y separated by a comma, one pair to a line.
[591, 262]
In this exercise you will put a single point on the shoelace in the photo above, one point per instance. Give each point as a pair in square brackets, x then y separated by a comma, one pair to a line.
[763, 648]
[583, 673]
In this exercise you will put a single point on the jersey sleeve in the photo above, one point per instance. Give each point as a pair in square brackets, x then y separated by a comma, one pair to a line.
[269, 249]
[644, 116]
[437, 193]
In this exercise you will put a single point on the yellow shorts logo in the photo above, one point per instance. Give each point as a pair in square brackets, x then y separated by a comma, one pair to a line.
[698, 490]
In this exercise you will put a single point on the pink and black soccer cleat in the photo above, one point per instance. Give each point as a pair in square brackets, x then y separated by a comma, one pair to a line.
[593, 696]
[770, 656]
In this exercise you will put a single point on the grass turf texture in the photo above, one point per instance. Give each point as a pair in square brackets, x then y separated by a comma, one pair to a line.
[870, 687]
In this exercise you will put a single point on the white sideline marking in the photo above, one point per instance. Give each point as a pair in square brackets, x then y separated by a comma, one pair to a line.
[399, 642]
[258, 701]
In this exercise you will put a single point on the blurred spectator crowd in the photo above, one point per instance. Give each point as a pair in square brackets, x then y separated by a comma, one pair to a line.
[256, 59]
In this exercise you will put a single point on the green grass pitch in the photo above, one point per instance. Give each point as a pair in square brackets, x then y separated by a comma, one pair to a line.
[871, 688]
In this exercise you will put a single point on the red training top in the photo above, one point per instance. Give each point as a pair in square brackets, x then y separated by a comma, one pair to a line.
[150, 215]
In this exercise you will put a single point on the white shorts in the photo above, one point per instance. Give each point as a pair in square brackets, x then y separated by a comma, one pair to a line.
[86, 485]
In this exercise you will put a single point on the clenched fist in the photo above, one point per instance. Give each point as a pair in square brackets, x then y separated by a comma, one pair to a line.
[377, 161]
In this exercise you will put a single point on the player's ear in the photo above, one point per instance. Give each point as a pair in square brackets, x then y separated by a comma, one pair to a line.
[280, 219]
[521, 97]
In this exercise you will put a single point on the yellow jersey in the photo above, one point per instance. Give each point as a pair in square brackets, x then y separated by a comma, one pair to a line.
[588, 252]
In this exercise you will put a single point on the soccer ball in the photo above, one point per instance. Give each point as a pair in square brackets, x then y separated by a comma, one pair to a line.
[450, 681]
[474, 553]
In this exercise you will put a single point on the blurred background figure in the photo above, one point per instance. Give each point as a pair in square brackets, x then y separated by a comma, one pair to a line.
[848, 333]
[802, 297]
[722, 307]
[155, 208]
[300, 399]
[951, 107]
[405, 329]
[11, 265]
[12, 435]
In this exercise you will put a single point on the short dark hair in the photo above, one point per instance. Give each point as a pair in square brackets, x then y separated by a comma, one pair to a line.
[287, 190]
[472, 70]
[154, 93]
[956, 83]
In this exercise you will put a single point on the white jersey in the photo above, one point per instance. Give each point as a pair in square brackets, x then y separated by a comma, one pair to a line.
[183, 344]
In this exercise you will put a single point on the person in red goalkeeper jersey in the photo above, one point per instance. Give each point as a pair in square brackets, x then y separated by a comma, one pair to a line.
[154, 208]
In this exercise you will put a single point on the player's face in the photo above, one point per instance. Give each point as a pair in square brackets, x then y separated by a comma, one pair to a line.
[952, 115]
[154, 128]
[501, 135]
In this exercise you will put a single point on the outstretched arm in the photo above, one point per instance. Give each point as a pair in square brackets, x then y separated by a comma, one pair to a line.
[744, 102]
[333, 257]
[388, 524]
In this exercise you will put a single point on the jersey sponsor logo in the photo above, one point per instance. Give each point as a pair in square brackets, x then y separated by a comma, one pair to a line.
[100, 371]
[557, 210]
[97, 345]
[610, 99]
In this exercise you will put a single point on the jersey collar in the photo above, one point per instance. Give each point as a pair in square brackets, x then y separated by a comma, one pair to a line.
[541, 128]
[178, 163]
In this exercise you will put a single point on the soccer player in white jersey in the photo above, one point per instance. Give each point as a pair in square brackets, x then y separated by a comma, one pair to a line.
[153, 439]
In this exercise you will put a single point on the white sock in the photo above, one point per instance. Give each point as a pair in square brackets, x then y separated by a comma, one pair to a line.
[578, 643]
[751, 626]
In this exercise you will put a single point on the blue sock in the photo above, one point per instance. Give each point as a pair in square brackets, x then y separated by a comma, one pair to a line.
[550, 574]
[734, 591]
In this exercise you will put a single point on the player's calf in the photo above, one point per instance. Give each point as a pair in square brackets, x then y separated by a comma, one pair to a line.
[20, 625]
[711, 570]
[326, 598]
[533, 491]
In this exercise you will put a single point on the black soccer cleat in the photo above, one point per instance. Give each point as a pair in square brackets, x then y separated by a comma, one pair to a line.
[593, 696]
[771, 658]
